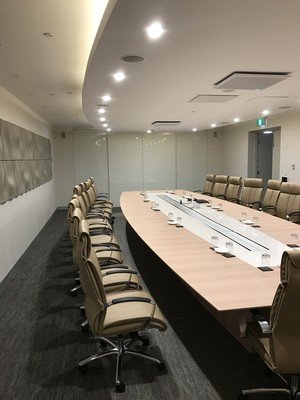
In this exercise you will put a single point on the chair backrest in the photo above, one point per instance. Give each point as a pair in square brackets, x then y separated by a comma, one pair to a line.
[77, 190]
[234, 188]
[272, 192]
[209, 184]
[91, 281]
[74, 203]
[284, 317]
[220, 186]
[288, 200]
[252, 191]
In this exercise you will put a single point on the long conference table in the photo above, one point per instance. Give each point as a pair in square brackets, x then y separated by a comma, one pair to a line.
[229, 285]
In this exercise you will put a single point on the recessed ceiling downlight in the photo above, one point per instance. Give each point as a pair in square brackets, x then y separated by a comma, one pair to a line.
[132, 58]
[155, 30]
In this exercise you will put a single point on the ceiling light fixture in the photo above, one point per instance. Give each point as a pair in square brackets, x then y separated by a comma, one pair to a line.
[267, 132]
[105, 125]
[101, 110]
[265, 112]
[119, 76]
[236, 120]
[108, 129]
[106, 97]
[155, 30]
[194, 129]
[102, 119]
[213, 125]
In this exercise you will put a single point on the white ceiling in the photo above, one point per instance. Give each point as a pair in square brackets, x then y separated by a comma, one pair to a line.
[204, 41]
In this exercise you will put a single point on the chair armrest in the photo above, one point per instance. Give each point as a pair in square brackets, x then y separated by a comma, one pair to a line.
[127, 271]
[207, 193]
[221, 196]
[234, 200]
[99, 231]
[108, 248]
[255, 203]
[130, 299]
[266, 208]
[292, 214]
[260, 318]
[110, 266]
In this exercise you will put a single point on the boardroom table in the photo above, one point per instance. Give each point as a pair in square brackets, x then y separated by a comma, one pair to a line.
[227, 285]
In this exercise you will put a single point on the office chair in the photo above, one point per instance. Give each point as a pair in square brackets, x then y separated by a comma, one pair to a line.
[208, 185]
[93, 220]
[288, 204]
[114, 316]
[271, 196]
[220, 186]
[277, 340]
[234, 188]
[115, 276]
[252, 192]
[99, 196]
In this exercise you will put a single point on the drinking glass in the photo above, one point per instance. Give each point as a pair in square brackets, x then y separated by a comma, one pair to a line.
[294, 238]
[244, 216]
[214, 241]
[179, 221]
[229, 247]
[170, 216]
[265, 260]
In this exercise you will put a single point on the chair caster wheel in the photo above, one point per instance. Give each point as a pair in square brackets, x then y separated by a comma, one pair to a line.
[82, 310]
[73, 294]
[120, 387]
[83, 369]
[161, 366]
[85, 327]
[145, 341]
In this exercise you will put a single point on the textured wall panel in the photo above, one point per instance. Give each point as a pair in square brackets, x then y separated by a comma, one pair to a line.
[25, 161]
[1, 142]
[8, 140]
[26, 144]
[3, 196]
[10, 182]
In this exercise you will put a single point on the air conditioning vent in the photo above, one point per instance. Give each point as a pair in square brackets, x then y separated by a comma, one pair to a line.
[212, 98]
[165, 123]
[240, 80]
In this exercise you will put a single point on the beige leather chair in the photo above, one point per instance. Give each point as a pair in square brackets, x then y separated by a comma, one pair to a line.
[271, 196]
[234, 188]
[99, 196]
[288, 204]
[208, 185]
[106, 246]
[94, 220]
[277, 340]
[220, 186]
[115, 276]
[112, 317]
[252, 192]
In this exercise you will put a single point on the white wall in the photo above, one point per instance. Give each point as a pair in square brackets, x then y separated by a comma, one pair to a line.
[22, 218]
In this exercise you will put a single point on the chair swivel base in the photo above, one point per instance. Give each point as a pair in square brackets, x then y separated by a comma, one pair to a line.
[292, 391]
[120, 349]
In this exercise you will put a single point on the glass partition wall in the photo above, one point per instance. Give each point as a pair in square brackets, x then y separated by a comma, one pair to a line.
[130, 161]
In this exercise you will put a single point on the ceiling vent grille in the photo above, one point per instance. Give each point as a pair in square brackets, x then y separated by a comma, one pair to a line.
[212, 98]
[240, 80]
[165, 123]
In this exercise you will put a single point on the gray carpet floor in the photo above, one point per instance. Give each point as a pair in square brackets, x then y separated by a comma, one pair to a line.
[41, 341]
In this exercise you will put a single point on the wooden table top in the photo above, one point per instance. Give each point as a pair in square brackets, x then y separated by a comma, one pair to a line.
[225, 283]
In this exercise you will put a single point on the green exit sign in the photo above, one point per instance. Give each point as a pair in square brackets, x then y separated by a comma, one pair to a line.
[261, 121]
